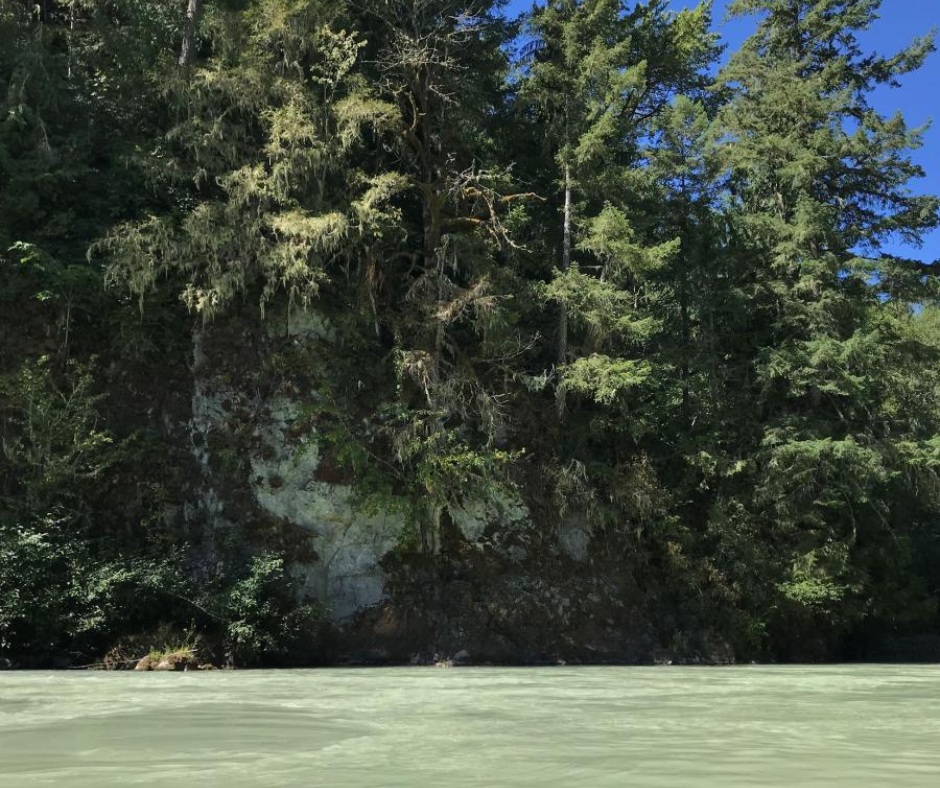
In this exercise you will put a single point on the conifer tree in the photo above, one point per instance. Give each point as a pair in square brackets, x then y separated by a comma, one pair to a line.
[439, 74]
[615, 69]
[557, 267]
[252, 171]
[818, 182]
[600, 72]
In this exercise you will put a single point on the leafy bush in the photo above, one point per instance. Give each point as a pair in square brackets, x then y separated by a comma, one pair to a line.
[54, 450]
[60, 597]
[263, 618]
[70, 587]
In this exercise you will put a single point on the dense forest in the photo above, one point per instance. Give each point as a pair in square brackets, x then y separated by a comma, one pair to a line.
[583, 271]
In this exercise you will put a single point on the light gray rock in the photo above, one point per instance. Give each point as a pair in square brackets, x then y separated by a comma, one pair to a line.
[574, 537]
[350, 544]
[504, 512]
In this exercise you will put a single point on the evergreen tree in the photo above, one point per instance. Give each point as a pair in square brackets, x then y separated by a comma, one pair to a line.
[433, 273]
[553, 262]
[251, 173]
[601, 71]
[817, 184]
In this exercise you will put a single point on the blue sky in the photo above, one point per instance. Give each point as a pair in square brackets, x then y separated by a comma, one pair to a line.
[918, 98]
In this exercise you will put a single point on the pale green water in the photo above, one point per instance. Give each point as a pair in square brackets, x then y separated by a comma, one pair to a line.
[592, 727]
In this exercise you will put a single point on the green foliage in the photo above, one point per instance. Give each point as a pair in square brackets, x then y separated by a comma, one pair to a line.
[58, 592]
[611, 238]
[441, 465]
[60, 587]
[248, 165]
[53, 449]
[604, 378]
[589, 272]
[263, 619]
[186, 648]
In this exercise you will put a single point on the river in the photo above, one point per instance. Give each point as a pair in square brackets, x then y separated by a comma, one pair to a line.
[854, 726]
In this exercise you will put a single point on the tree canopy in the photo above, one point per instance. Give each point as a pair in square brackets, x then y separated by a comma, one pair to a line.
[568, 258]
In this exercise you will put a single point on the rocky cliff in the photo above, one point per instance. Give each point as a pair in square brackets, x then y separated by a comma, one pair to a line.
[505, 582]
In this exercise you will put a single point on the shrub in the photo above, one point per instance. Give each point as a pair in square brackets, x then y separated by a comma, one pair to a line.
[263, 617]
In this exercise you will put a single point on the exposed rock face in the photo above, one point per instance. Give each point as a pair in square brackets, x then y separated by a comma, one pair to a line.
[574, 535]
[503, 587]
[478, 517]
[209, 417]
[277, 472]
[349, 543]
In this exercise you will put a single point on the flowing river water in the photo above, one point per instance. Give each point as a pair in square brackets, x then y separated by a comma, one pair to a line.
[854, 726]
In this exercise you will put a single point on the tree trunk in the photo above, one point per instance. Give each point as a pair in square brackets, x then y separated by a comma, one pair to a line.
[71, 35]
[188, 49]
[565, 265]
[686, 342]
[685, 329]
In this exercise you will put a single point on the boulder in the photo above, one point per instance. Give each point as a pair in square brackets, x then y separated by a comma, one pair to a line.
[183, 660]
[144, 663]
